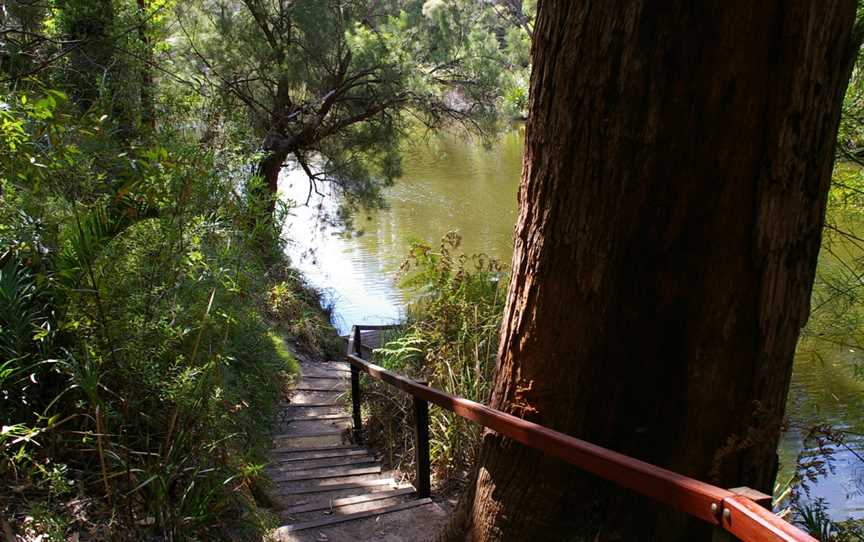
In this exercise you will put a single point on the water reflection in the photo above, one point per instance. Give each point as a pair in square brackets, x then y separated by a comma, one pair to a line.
[448, 183]
[454, 183]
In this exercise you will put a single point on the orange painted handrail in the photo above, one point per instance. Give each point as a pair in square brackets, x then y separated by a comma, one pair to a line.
[736, 514]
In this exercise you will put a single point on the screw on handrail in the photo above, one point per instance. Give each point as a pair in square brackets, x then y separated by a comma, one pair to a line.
[355, 387]
[421, 446]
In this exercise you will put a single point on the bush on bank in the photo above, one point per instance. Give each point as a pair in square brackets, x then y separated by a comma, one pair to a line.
[450, 340]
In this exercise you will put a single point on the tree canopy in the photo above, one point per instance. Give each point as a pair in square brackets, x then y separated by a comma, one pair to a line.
[333, 85]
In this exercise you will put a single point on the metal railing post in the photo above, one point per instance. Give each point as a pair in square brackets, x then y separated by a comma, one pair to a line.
[355, 388]
[421, 446]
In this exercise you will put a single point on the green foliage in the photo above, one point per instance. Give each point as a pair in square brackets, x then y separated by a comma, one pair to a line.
[451, 341]
[333, 86]
[136, 361]
[813, 517]
[491, 44]
[297, 308]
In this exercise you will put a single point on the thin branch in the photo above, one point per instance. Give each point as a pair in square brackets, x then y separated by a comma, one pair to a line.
[261, 21]
[312, 177]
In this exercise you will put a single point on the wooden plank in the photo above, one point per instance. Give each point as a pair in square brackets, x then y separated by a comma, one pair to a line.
[323, 417]
[320, 449]
[323, 456]
[348, 501]
[329, 433]
[313, 405]
[748, 521]
[338, 461]
[307, 474]
[378, 327]
[754, 495]
[323, 377]
[333, 520]
[321, 389]
[324, 488]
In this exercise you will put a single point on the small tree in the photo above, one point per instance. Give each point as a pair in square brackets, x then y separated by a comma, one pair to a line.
[330, 85]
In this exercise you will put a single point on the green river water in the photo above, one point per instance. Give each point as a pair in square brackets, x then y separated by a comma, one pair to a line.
[452, 182]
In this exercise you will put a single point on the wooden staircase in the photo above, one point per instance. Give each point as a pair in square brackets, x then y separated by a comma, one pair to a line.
[319, 478]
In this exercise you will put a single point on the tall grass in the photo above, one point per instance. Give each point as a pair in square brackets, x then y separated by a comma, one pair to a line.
[450, 340]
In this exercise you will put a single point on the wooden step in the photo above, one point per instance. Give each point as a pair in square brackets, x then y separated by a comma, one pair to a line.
[324, 377]
[298, 468]
[317, 397]
[351, 517]
[338, 461]
[312, 412]
[323, 488]
[319, 390]
[347, 501]
[302, 426]
[326, 449]
[312, 405]
[321, 418]
[312, 474]
[323, 433]
[322, 455]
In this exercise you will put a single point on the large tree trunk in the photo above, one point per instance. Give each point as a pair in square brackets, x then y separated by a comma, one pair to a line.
[678, 157]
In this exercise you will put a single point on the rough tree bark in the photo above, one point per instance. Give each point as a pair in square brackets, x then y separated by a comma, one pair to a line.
[269, 168]
[678, 158]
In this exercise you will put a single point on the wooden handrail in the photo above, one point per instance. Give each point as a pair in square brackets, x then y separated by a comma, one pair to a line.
[736, 514]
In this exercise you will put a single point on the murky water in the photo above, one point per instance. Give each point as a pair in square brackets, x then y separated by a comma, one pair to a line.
[455, 183]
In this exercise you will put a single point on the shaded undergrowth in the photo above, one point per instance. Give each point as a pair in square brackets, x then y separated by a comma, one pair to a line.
[144, 308]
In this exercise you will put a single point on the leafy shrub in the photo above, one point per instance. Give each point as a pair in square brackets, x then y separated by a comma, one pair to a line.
[450, 340]
[298, 309]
